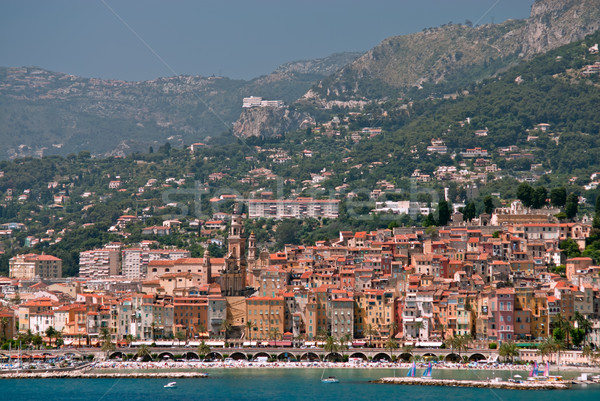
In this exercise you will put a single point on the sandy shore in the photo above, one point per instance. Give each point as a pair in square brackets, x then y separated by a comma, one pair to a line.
[193, 369]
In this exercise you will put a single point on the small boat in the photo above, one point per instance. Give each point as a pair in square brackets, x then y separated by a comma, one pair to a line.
[330, 379]
[170, 385]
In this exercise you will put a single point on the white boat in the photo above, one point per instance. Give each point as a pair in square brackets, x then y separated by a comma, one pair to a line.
[170, 385]
[330, 379]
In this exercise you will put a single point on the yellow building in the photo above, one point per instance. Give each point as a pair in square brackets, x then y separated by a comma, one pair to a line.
[267, 317]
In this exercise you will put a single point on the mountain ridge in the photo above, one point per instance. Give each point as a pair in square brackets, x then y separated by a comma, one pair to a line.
[399, 64]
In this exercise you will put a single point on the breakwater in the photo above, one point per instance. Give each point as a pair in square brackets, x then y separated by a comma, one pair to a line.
[82, 374]
[525, 385]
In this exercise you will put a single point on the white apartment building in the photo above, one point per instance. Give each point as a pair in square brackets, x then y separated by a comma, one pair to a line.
[299, 208]
[134, 261]
[99, 263]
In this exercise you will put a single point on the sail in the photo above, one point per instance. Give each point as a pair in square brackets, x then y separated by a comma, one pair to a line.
[412, 371]
[427, 372]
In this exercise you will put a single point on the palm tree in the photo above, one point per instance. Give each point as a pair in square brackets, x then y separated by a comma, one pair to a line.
[509, 350]
[274, 334]
[226, 327]
[143, 352]
[459, 343]
[203, 350]
[3, 326]
[370, 331]
[393, 328]
[180, 336]
[249, 327]
[331, 345]
[343, 341]
[547, 347]
[583, 324]
[321, 334]
[153, 327]
[129, 339]
[587, 352]
[418, 326]
[563, 324]
[50, 332]
[391, 345]
[107, 344]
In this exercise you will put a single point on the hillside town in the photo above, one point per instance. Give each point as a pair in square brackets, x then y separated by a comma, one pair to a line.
[419, 286]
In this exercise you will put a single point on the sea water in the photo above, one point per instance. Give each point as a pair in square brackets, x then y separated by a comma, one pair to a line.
[279, 384]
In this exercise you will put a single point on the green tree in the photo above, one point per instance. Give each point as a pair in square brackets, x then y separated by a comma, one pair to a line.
[469, 211]
[539, 199]
[547, 347]
[509, 349]
[571, 206]
[180, 336]
[525, 194]
[570, 247]
[106, 339]
[391, 345]
[444, 213]
[203, 350]
[331, 345]
[51, 333]
[577, 336]
[558, 196]
[143, 353]
[583, 324]
[488, 204]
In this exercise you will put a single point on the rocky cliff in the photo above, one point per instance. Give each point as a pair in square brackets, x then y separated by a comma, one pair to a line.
[555, 23]
[449, 57]
[269, 121]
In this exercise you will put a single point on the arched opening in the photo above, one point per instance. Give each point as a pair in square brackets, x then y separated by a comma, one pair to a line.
[382, 357]
[191, 355]
[452, 358]
[334, 357]
[238, 356]
[358, 355]
[405, 357]
[310, 357]
[261, 354]
[117, 355]
[477, 358]
[163, 356]
[213, 356]
[429, 357]
[286, 356]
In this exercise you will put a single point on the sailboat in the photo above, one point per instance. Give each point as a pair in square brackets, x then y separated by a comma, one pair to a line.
[427, 372]
[547, 370]
[329, 380]
[533, 374]
[412, 372]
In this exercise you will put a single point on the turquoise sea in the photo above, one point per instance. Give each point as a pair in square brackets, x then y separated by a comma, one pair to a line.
[275, 384]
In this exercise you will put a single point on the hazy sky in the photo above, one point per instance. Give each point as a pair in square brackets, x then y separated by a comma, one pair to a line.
[233, 38]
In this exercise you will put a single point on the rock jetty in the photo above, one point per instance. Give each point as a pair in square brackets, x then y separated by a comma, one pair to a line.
[80, 374]
[507, 385]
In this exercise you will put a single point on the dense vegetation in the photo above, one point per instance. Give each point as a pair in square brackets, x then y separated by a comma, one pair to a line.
[548, 89]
